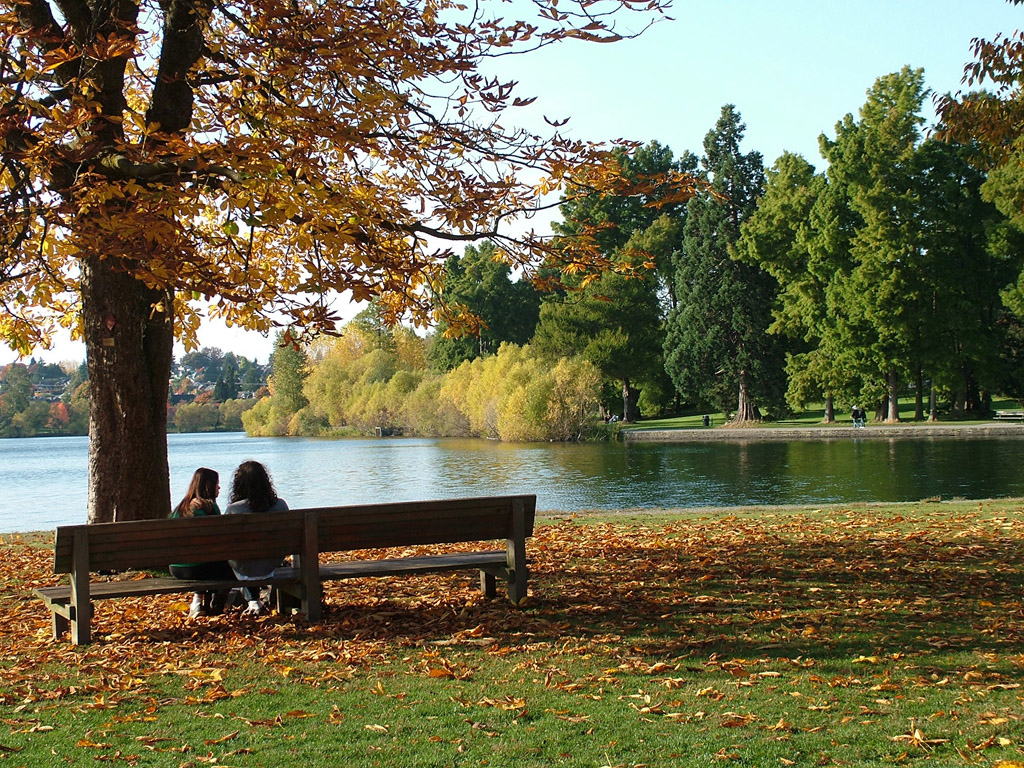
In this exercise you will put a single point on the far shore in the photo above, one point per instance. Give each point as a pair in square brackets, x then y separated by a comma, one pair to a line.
[914, 430]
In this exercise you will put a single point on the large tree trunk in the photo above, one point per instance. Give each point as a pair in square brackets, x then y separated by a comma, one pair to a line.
[894, 400]
[746, 409]
[830, 410]
[129, 347]
[630, 396]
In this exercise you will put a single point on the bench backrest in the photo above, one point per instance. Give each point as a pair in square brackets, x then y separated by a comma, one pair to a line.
[155, 543]
[422, 522]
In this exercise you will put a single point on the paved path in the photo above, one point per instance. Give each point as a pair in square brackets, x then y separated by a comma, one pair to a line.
[916, 431]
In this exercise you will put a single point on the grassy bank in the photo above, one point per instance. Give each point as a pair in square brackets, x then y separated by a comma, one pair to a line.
[813, 417]
[847, 636]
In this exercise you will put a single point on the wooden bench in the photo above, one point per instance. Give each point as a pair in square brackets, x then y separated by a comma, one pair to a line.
[303, 534]
[1009, 415]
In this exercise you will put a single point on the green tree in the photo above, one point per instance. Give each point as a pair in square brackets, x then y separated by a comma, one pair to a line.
[615, 324]
[289, 367]
[800, 235]
[875, 160]
[659, 213]
[971, 253]
[502, 309]
[716, 343]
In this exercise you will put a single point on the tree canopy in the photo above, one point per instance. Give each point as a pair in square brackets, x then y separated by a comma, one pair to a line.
[252, 159]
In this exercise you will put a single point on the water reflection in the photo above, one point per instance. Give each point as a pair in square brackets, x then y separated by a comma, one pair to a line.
[43, 480]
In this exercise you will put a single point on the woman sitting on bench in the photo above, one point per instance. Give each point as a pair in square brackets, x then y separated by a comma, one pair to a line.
[201, 501]
[252, 492]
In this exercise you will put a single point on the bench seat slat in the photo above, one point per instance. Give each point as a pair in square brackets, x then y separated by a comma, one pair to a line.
[102, 590]
[354, 569]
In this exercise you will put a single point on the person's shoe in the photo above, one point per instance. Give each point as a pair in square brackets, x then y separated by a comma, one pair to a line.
[255, 608]
[196, 610]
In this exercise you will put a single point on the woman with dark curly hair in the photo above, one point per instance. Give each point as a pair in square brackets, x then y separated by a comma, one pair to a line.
[252, 493]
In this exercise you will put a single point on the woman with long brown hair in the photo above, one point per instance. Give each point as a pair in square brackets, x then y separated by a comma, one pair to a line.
[200, 500]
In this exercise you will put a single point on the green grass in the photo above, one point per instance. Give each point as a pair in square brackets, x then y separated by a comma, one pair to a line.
[811, 417]
[850, 636]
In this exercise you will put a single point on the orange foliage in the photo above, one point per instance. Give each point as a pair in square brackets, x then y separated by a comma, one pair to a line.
[257, 158]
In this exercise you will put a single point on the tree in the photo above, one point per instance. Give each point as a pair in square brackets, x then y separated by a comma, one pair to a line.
[15, 396]
[289, 368]
[614, 324]
[259, 156]
[507, 310]
[971, 254]
[875, 160]
[716, 343]
[618, 219]
[993, 123]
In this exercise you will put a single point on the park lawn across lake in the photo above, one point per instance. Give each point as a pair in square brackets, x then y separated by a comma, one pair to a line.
[848, 636]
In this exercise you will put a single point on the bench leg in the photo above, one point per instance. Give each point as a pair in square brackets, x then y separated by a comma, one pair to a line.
[81, 633]
[517, 586]
[488, 584]
[59, 624]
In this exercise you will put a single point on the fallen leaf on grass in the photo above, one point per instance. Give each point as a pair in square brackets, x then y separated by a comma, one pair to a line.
[93, 744]
[221, 740]
[377, 728]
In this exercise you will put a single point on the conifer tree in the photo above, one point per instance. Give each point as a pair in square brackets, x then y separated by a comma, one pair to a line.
[717, 347]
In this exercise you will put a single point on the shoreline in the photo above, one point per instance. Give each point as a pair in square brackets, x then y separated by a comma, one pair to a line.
[645, 515]
[884, 431]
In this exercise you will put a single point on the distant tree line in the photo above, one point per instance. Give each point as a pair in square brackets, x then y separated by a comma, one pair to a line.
[890, 273]
[209, 391]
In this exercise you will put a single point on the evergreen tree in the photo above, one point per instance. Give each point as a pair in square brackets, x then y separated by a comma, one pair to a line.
[614, 323]
[481, 284]
[716, 341]
[875, 160]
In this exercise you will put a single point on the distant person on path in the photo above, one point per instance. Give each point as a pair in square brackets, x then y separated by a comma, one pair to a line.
[859, 416]
[201, 501]
[252, 493]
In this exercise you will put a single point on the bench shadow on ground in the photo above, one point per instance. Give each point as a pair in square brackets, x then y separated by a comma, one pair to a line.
[817, 599]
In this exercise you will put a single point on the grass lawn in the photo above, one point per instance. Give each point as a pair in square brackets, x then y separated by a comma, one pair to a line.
[812, 417]
[844, 636]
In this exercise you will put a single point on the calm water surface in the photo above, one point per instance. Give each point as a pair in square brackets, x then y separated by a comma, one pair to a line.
[43, 480]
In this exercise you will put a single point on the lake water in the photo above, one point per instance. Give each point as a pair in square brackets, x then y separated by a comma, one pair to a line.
[43, 480]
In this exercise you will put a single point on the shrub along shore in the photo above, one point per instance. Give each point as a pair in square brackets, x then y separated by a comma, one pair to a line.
[846, 635]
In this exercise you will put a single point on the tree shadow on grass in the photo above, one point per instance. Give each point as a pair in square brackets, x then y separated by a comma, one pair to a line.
[681, 590]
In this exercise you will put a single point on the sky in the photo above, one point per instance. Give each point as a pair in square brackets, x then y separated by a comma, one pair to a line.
[792, 68]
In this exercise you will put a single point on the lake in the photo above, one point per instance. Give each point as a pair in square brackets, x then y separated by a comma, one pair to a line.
[43, 480]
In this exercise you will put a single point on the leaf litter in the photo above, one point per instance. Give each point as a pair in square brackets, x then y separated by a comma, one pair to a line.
[704, 608]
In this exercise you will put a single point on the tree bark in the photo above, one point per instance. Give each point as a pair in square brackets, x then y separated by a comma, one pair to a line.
[129, 335]
[894, 400]
[919, 397]
[746, 409]
[830, 410]
[630, 396]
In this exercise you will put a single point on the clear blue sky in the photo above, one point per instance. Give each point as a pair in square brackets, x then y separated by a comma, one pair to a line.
[793, 68]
